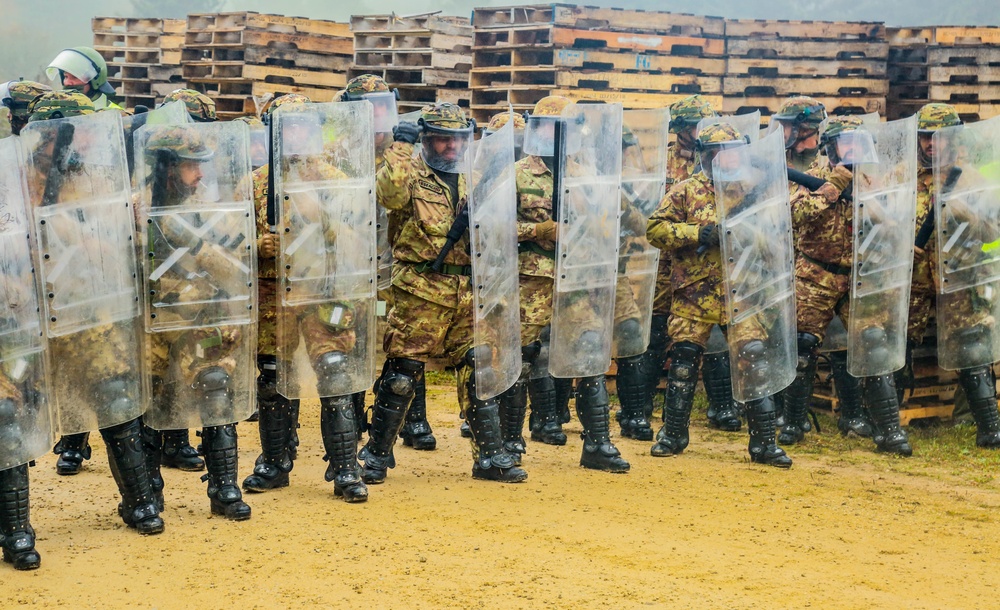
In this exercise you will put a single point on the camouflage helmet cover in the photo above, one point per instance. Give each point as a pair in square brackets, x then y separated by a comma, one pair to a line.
[289, 99]
[444, 116]
[184, 144]
[801, 109]
[19, 96]
[358, 86]
[502, 118]
[841, 124]
[199, 106]
[552, 105]
[718, 135]
[686, 113]
[60, 104]
[935, 116]
[251, 120]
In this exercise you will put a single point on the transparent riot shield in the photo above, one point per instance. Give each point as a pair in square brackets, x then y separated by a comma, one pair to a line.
[493, 237]
[587, 207]
[967, 206]
[198, 237]
[747, 124]
[384, 249]
[26, 430]
[324, 177]
[84, 226]
[755, 228]
[885, 193]
[644, 155]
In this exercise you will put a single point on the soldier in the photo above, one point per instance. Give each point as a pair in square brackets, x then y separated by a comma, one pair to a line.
[432, 311]
[197, 285]
[84, 70]
[500, 119]
[200, 107]
[824, 249]
[16, 96]
[685, 225]
[91, 319]
[258, 140]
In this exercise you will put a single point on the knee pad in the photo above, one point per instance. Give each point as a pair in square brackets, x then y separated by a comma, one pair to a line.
[808, 345]
[628, 334]
[267, 380]
[400, 376]
[974, 346]
[754, 354]
[589, 342]
[8, 411]
[529, 356]
[114, 393]
[211, 380]
[331, 373]
[685, 357]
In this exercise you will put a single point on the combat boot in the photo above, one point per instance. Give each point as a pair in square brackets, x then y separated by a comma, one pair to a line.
[599, 453]
[464, 429]
[16, 534]
[852, 420]
[392, 398]
[275, 461]
[293, 434]
[152, 448]
[222, 460]
[717, 375]
[178, 452]
[980, 387]
[564, 392]
[128, 466]
[513, 408]
[672, 438]
[339, 432]
[632, 383]
[416, 430]
[880, 397]
[72, 450]
[547, 429]
[490, 461]
[761, 418]
[656, 359]
[798, 395]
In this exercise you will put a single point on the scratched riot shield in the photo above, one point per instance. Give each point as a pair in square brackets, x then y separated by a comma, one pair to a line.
[885, 193]
[493, 237]
[84, 225]
[644, 155]
[197, 221]
[747, 124]
[755, 227]
[967, 206]
[325, 190]
[26, 430]
[587, 208]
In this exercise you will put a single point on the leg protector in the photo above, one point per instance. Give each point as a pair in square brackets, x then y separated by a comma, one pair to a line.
[275, 426]
[358, 399]
[547, 429]
[222, 459]
[178, 452]
[980, 387]
[904, 376]
[599, 453]
[128, 466]
[852, 413]
[152, 449]
[417, 431]
[564, 391]
[395, 392]
[797, 396]
[72, 450]
[632, 382]
[682, 378]
[761, 416]
[491, 461]
[216, 396]
[513, 408]
[656, 357]
[880, 398]
[717, 375]
[16, 534]
[339, 432]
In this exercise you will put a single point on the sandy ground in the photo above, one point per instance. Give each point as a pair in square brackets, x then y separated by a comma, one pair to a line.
[705, 529]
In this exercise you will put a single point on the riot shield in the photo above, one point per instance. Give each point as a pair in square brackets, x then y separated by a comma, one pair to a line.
[324, 173]
[747, 124]
[755, 227]
[967, 206]
[587, 209]
[84, 225]
[644, 155]
[26, 431]
[198, 236]
[884, 217]
[493, 238]
[384, 248]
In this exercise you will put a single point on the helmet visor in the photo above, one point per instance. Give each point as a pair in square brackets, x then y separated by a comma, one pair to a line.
[447, 151]
[540, 136]
[856, 147]
[73, 62]
[386, 116]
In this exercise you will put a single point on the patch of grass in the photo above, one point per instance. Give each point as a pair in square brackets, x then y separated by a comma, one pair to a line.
[446, 377]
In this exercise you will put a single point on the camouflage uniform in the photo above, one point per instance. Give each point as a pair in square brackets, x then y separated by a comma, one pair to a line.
[200, 107]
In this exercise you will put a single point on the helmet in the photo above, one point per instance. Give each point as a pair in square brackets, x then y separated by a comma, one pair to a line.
[59, 105]
[686, 113]
[539, 130]
[839, 125]
[552, 105]
[5, 128]
[251, 120]
[17, 96]
[500, 119]
[199, 106]
[932, 117]
[358, 86]
[444, 119]
[845, 132]
[287, 99]
[801, 109]
[373, 88]
[181, 144]
[713, 139]
[85, 64]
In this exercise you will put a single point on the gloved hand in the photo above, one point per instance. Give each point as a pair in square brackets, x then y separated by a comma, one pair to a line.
[708, 235]
[546, 231]
[267, 245]
[841, 178]
[406, 132]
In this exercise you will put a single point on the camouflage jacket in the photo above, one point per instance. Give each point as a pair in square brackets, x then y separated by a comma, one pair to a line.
[923, 262]
[824, 231]
[696, 278]
[534, 205]
[680, 164]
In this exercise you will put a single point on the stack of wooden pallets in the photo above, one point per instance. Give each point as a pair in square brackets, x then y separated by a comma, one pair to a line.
[143, 56]
[642, 59]
[236, 58]
[426, 58]
[953, 64]
[842, 64]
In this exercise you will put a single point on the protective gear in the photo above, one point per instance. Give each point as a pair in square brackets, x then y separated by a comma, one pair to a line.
[374, 90]
[513, 408]
[798, 395]
[416, 431]
[214, 385]
[178, 452]
[717, 375]
[491, 461]
[85, 64]
[339, 431]
[846, 143]
[17, 537]
[17, 97]
[708, 235]
[564, 392]
[152, 450]
[392, 398]
[804, 115]
[852, 418]
[761, 416]
[446, 120]
[59, 105]
[686, 113]
[72, 450]
[275, 425]
[200, 107]
[291, 100]
[672, 437]
[599, 453]
[714, 138]
[539, 128]
[179, 144]
[500, 119]
[546, 230]
[546, 427]
[656, 357]
[935, 116]
[636, 400]
[980, 389]
[222, 460]
[880, 398]
[138, 507]
[406, 132]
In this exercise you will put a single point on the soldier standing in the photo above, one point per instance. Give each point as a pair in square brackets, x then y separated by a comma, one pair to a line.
[84, 70]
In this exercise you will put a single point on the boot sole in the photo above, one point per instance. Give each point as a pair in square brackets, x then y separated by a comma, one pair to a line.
[221, 511]
[605, 468]
[19, 563]
[350, 499]
[185, 468]
[66, 472]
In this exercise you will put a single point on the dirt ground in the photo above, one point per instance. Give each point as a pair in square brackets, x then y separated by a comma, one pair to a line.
[844, 528]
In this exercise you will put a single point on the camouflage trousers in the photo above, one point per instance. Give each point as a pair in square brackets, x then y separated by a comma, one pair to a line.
[962, 311]
[664, 291]
[281, 331]
[921, 311]
[697, 331]
[819, 295]
[536, 308]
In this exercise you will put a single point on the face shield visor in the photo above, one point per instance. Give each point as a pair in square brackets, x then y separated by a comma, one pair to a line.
[301, 134]
[726, 161]
[447, 150]
[72, 62]
[852, 148]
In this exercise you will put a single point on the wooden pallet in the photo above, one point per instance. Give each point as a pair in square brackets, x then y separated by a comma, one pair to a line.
[561, 37]
[944, 35]
[964, 93]
[415, 58]
[482, 78]
[768, 105]
[776, 68]
[246, 20]
[584, 59]
[314, 43]
[805, 30]
[592, 17]
[415, 98]
[963, 56]
[806, 49]
[301, 60]
[963, 74]
[426, 21]
[752, 86]
[385, 41]
[235, 71]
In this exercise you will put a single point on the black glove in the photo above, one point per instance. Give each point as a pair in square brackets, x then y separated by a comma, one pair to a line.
[406, 132]
[708, 235]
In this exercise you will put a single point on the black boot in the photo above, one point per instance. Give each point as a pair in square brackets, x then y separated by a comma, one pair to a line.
[656, 358]
[152, 449]
[464, 429]
[980, 387]
[761, 417]
[490, 461]
[392, 398]
[904, 376]
[222, 459]
[599, 453]
[717, 375]
[564, 391]
[178, 452]
[128, 466]
[339, 432]
[18, 537]
[293, 434]
[513, 407]
[547, 428]
[852, 419]
[880, 398]
[417, 431]
[796, 397]
[275, 461]
[358, 399]
[672, 438]
[632, 383]
[72, 449]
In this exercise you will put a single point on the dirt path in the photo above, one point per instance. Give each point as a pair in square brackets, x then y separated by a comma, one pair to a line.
[704, 529]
